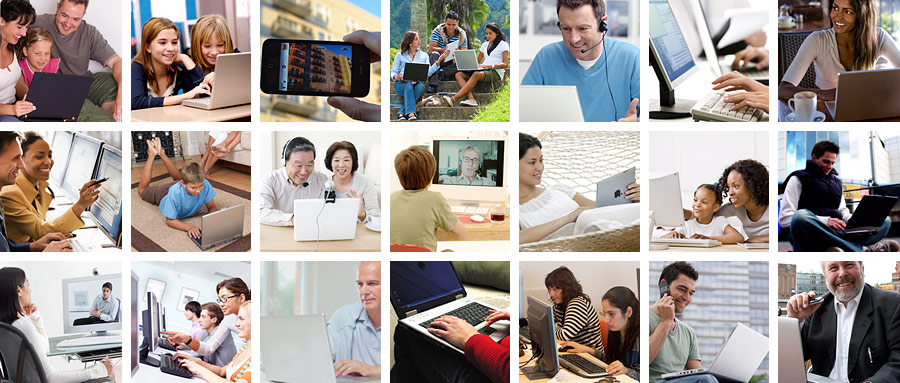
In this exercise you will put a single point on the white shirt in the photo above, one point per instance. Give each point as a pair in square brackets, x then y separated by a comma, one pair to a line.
[496, 56]
[791, 198]
[845, 318]
[8, 79]
[276, 204]
[821, 47]
[214, 340]
[748, 228]
[715, 228]
[33, 328]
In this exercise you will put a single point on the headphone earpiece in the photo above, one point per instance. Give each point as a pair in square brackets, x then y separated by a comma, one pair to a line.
[603, 27]
[284, 149]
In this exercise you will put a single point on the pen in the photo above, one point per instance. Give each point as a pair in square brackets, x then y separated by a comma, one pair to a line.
[97, 182]
[870, 355]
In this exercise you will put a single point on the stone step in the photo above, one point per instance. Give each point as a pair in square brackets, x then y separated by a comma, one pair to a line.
[442, 113]
[481, 98]
[453, 87]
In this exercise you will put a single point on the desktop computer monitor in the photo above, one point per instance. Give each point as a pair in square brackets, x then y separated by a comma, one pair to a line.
[135, 342]
[60, 145]
[670, 58]
[543, 339]
[470, 168]
[82, 162]
[521, 297]
[151, 322]
[665, 200]
[92, 304]
[107, 210]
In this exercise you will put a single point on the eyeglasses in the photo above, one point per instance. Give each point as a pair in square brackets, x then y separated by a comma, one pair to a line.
[470, 160]
[226, 299]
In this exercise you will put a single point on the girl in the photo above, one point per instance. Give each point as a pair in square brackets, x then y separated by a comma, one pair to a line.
[15, 17]
[410, 91]
[159, 72]
[576, 319]
[707, 202]
[38, 44]
[210, 37]
[621, 311]
[238, 370]
[494, 54]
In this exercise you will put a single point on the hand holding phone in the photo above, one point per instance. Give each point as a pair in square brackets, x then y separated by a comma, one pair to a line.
[663, 288]
[315, 68]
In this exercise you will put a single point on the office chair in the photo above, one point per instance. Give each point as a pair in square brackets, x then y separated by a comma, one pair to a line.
[19, 362]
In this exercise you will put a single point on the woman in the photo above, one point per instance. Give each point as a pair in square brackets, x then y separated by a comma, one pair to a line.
[343, 161]
[549, 212]
[214, 152]
[411, 90]
[576, 319]
[210, 37]
[160, 76]
[25, 203]
[15, 17]
[754, 95]
[746, 184]
[232, 294]
[621, 311]
[853, 43]
[17, 309]
[494, 55]
[238, 370]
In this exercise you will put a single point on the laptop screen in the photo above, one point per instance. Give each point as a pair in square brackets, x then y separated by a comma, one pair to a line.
[414, 283]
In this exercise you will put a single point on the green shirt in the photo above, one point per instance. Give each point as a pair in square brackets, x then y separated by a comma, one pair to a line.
[680, 347]
[416, 215]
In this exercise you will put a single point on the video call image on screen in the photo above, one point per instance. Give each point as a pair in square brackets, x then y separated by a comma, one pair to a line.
[323, 68]
[468, 162]
[94, 300]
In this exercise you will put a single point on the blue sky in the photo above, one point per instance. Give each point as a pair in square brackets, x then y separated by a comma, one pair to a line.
[373, 6]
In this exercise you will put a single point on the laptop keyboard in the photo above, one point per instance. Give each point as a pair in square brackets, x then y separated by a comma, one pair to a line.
[578, 362]
[474, 313]
[713, 107]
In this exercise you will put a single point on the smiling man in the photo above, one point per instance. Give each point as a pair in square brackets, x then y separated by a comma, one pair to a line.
[470, 162]
[355, 329]
[298, 179]
[853, 335]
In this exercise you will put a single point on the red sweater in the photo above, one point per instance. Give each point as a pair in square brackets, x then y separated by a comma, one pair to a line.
[489, 357]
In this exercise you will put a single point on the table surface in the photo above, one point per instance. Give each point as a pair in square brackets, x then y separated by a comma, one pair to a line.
[150, 374]
[281, 238]
[523, 378]
[808, 25]
[784, 110]
[54, 351]
[89, 234]
[725, 248]
[185, 113]
[486, 231]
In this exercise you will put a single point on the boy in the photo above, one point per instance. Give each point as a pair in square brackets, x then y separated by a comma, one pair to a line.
[181, 198]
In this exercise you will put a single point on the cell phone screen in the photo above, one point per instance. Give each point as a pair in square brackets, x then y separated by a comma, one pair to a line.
[315, 68]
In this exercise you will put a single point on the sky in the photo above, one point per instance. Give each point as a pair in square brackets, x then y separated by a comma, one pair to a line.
[373, 6]
[877, 271]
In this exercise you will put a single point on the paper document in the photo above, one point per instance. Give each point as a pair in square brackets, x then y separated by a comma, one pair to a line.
[748, 245]
[564, 376]
[742, 23]
[452, 47]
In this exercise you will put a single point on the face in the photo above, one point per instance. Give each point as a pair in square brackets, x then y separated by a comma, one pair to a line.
[188, 314]
[38, 161]
[416, 43]
[233, 304]
[682, 289]
[615, 318]
[25, 294]
[844, 279]
[243, 324]
[12, 31]
[342, 164]
[164, 47]
[826, 162]
[489, 34]
[300, 165]
[451, 25]
[38, 54]
[10, 163]
[555, 295]
[470, 161]
[212, 48]
[704, 204]
[106, 292]
[843, 17]
[69, 16]
[206, 320]
[192, 189]
[738, 192]
[579, 30]
[368, 282]
[531, 167]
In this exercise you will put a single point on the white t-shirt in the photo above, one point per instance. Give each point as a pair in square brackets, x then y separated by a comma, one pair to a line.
[8, 79]
[750, 228]
[821, 47]
[713, 229]
[496, 56]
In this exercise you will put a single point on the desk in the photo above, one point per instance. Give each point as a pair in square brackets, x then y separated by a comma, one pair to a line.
[486, 231]
[89, 235]
[181, 113]
[342, 379]
[809, 25]
[522, 378]
[281, 238]
[150, 374]
[722, 248]
[784, 110]
[474, 246]
[72, 353]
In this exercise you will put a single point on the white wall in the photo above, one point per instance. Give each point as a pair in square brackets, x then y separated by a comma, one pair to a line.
[174, 282]
[104, 15]
[595, 277]
[368, 146]
[326, 286]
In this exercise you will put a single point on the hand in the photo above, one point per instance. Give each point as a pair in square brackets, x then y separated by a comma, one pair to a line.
[95, 313]
[699, 236]
[736, 81]
[664, 308]
[758, 100]
[757, 39]
[573, 216]
[210, 79]
[633, 193]
[485, 66]
[444, 55]
[30, 309]
[203, 88]
[826, 94]
[496, 315]
[192, 366]
[179, 347]
[362, 211]
[353, 108]
[42, 243]
[154, 148]
[673, 234]
[58, 247]
[219, 150]
[453, 330]
[576, 347]
[616, 368]
[744, 57]
[193, 231]
[24, 107]
[836, 223]
[180, 355]
[176, 337]
[759, 239]
[631, 116]
[398, 77]
[798, 305]
[87, 196]
[109, 367]
[354, 367]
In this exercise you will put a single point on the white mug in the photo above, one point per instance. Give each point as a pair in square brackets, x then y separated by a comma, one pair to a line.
[803, 104]
[375, 219]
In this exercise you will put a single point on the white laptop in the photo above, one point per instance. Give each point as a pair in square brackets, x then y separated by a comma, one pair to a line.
[423, 291]
[315, 220]
[467, 61]
[738, 358]
[791, 366]
[549, 103]
[221, 226]
[232, 83]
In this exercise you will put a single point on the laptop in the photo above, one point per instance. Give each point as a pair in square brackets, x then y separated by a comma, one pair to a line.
[467, 61]
[611, 191]
[869, 215]
[415, 72]
[314, 220]
[549, 103]
[791, 365]
[232, 83]
[866, 95]
[57, 97]
[425, 290]
[738, 358]
[220, 227]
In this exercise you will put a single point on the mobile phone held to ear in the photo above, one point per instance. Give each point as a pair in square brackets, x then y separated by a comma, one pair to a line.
[314, 68]
[663, 288]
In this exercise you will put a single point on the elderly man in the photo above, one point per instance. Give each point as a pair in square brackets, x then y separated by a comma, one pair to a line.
[103, 310]
[355, 329]
[470, 162]
[298, 179]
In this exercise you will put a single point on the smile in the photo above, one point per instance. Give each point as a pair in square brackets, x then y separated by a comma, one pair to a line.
[839, 24]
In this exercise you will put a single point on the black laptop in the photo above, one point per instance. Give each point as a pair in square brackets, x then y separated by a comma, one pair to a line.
[869, 214]
[415, 72]
[57, 97]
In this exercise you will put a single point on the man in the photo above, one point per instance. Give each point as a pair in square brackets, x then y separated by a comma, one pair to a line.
[298, 179]
[103, 310]
[469, 163]
[441, 37]
[76, 43]
[608, 89]
[355, 329]
[853, 335]
[10, 164]
[813, 207]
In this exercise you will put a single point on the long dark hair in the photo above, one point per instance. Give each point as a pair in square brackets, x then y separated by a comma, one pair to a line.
[11, 279]
[408, 39]
[236, 286]
[562, 278]
[11, 11]
[756, 178]
[527, 141]
[494, 27]
[622, 298]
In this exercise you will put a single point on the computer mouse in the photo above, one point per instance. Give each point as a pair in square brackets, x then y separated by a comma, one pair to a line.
[565, 348]
[477, 218]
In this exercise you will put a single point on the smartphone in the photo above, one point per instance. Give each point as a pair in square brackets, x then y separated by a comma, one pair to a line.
[663, 288]
[817, 299]
[314, 68]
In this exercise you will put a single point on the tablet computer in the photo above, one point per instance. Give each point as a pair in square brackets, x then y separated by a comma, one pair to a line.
[611, 191]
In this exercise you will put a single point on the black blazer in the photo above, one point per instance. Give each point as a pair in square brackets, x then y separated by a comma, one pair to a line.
[876, 328]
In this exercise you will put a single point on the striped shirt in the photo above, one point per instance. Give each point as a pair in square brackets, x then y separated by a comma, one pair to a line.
[436, 36]
[579, 323]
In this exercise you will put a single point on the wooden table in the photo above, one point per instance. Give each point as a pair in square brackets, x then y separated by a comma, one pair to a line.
[522, 378]
[784, 110]
[486, 231]
[181, 113]
[281, 238]
[722, 248]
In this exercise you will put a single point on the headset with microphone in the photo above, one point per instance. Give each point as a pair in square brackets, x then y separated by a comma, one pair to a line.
[603, 29]
[301, 144]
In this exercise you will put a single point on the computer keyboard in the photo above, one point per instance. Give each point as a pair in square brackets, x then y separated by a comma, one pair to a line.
[171, 366]
[713, 107]
[469, 210]
[474, 313]
[91, 341]
[204, 101]
[80, 246]
[582, 366]
[686, 242]
[164, 344]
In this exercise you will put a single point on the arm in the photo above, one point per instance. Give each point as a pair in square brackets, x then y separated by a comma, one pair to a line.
[211, 206]
[115, 64]
[460, 229]
[437, 64]
[140, 99]
[584, 201]
[491, 358]
[191, 78]
[807, 53]
[538, 232]
[657, 340]
[692, 364]
[731, 236]
[193, 231]
[268, 214]
[212, 342]
[433, 47]
[575, 319]
[789, 201]
[114, 309]
[19, 214]
[395, 67]
[21, 88]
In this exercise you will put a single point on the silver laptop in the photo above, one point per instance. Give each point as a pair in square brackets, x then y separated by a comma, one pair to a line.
[467, 61]
[738, 358]
[220, 227]
[549, 103]
[315, 220]
[232, 83]
[302, 354]
[611, 191]
[866, 95]
[791, 366]
[423, 291]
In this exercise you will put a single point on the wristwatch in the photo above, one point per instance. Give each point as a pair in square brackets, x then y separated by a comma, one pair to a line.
[190, 339]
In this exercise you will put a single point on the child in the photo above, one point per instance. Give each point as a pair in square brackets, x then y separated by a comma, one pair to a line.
[160, 76]
[180, 199]
[704, 226]
[38, 44]
[210, 37]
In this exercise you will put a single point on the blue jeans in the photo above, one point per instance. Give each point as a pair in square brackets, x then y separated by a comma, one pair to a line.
[410, 91]
[808, 233]
[701, 378]
[7, 118]
[418, 359]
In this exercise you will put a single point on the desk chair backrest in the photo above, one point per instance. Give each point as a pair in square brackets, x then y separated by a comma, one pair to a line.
[119, 312]
[788, 45]
[19, 363]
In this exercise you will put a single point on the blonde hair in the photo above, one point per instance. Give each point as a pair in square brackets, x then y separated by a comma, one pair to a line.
[192, 173]
[34, 35]
[202, 32]
[151, 29]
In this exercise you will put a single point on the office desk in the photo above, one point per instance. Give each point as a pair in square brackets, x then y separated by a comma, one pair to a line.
[181, 113]
[722, 248]
[522, 378]
[75, 353]
[150, 374]
[281, 238]
[342, 379]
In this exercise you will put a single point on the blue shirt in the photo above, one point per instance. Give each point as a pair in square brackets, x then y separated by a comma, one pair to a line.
[402, 58]
[353, 336]
[555, 65]
[179, 204]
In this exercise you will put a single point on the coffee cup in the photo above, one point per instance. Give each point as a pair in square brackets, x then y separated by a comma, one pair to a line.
[803, 104]
[374, 219]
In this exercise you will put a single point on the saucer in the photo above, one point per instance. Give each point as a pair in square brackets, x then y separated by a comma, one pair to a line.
[787, 26]
[372, 227]
[817, 117]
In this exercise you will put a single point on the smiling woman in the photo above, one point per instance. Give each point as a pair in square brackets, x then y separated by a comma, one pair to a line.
[15, 16]
[160, 76]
